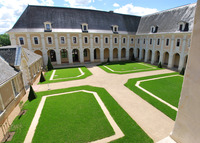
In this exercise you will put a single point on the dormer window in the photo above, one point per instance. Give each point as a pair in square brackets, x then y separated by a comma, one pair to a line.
[183, 26]
[84, 27]
[115, 29]
[47, 26]
[154, 29]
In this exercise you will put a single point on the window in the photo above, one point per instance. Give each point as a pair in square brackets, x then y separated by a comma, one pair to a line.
[106, 40]
[36, 42]
[49, 40]
[96, 39]
[154, 29]
[181, 27]
[178, 42]
[85, 52]
[124, 40]
[115, 29]
[84, 27]
[138, 41]
[150, 41]
[85, 40]
[21, 41]
[62, 40]
[115, 40]
[132, 41]
[14, 88]
[144, 41]
[74, 40]
[158, 42]
[167, 42]
[63, 53]
[47, 26]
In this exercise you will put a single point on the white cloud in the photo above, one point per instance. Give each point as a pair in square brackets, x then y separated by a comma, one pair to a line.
[73, 3]
[10, 11]
[135, 10]
[116, 5]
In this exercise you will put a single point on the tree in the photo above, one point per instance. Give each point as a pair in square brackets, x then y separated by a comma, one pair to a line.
[4, 40]
[42, 79]
[49, 65]
[182, 71]
[31, 95]
[133, 58]
[160, 65]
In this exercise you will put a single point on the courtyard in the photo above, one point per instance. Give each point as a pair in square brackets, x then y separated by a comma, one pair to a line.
[70, 105]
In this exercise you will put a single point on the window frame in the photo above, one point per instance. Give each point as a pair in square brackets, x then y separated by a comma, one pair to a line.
[178, 42]
[150, 41]
[22, 40]
[74, 41]
[48, 40]
[84, 27]
[96, 38]
[124, 40]
[37, 40]
[107, 40]
[167, 42]
[63, 40]
[158, 42]
[115, 40]
[132, 41]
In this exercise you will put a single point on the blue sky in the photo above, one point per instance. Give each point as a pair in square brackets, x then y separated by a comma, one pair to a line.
[10, 10]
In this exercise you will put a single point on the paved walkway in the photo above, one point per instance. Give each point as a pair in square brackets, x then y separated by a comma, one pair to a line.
[156, 124]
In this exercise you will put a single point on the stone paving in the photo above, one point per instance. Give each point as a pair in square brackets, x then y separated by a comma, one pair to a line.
[156, 124]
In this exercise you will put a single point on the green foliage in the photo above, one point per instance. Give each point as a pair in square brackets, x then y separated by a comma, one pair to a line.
[4, 40]
[182, 71]
[49, 65]
[42, 79]
[32, 94]
[159, 65]
[108, 61]
[133, 58]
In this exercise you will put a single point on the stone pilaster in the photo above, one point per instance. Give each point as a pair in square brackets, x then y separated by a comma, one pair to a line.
[58, 57]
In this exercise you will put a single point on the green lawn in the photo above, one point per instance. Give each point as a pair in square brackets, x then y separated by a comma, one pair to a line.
[167, 89]
[125, 67]
[133, 133]
[66, 74]
[75, 117]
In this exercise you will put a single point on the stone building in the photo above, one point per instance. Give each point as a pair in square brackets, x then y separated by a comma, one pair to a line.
[69, 35]
[19, 67]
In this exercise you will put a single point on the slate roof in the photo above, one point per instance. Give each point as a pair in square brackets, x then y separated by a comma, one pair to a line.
[32, 57]
[71, 18]
[8, 53]
[7, 72]
[167, 21]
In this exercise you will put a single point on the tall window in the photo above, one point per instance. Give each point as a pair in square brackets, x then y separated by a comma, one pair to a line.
[74, 40]
[115, 39]
[132, 41]
[144, 41]
[158, 42]
[86, 40]
[36, 42]
[49, 40]
[138, 41]
[181, 27]
[124, 40]
[167, 42]
[178, 42]
[150, 41]
[48, 27]
[62, 40]
[106, 40]
[85, 28]
[85, 52]
[96, 40]
[21, 40]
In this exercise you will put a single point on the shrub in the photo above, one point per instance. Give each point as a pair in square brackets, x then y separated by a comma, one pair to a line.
[133, 58]
[49, 65]
[32, 94]
[108, 61]
[159, 65]
[42, 79]
[182, 71]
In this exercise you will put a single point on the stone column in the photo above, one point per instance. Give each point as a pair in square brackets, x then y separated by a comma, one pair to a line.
[101, 54]
[91, 49]
[44, 51]
[111, 48]
[182, 56]
[81, 49]
[146, 49]
[161, 51]
[140, 55]
[29, 42]
[13, 39]
[153, 51]
[69, 49]
[170, 62]
[127, 48]
[187, 124]
[58, 59]
[120, 48]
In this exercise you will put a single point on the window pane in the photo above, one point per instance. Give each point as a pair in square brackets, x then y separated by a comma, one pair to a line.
[62, 40]
[86, 40]
[74, 39]
[21, 40]
[49, 40]
[36, 40]
[48, 26]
